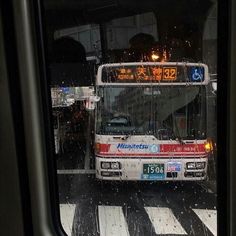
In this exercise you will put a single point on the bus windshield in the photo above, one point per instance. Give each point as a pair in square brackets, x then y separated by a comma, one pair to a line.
[167, 112]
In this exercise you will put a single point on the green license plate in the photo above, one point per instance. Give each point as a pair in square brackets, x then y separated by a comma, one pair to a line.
[153, 171]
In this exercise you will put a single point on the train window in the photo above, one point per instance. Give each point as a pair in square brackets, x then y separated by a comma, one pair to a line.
[134, 101]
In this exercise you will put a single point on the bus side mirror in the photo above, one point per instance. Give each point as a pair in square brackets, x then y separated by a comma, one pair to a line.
[90, 102]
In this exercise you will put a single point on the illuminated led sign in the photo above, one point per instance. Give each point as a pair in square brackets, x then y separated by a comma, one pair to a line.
[152, 73]
[169, 73]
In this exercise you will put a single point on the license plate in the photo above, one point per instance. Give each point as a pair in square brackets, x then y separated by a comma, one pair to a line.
[153, 171]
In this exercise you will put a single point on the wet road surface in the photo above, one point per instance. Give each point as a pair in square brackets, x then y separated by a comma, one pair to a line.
[135, 208]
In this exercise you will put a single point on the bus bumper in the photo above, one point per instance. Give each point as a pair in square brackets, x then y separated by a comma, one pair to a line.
[190, 169]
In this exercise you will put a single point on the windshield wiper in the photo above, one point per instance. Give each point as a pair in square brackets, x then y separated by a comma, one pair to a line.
[180, 140]
[126, 137]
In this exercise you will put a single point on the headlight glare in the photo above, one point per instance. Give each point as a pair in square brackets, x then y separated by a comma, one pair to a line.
[191, 165]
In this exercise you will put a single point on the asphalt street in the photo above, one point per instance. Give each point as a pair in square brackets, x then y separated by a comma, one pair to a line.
[136, 208]
[93, 208]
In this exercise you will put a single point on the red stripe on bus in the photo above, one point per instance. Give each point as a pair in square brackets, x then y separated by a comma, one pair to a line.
[152, 155]
[182, 148]
[164, 148]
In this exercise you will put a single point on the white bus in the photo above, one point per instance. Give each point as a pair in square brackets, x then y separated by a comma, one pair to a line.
[151, 121]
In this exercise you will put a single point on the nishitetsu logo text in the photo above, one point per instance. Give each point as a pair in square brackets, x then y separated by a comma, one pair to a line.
[132, 146]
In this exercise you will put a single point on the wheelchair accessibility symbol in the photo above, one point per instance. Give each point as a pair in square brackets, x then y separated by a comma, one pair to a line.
[197, 74]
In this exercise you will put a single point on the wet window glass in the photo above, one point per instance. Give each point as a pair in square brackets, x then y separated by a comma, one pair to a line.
[145, 110]
[133, 93]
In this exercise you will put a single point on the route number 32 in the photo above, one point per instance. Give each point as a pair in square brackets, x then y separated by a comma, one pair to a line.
[170, 73]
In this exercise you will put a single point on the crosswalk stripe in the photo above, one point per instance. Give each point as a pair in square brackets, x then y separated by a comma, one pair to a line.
[209, 218]
[112, 221]
[164, 221]
[67, 212]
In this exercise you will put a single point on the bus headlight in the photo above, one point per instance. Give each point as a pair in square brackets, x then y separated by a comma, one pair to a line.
[110, 165]
[105, 165]
[115, 165]
[200, 165]
[191, 165]
[195, 165]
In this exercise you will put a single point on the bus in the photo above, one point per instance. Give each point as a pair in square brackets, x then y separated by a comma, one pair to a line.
[151, 121]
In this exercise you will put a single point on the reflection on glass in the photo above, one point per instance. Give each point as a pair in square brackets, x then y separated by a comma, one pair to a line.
[164, 112]
[134, 132]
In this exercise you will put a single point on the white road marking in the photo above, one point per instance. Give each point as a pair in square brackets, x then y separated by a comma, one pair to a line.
[75, 171]
[67, 212]
[209, 218]
[112, 221]
[164, 221]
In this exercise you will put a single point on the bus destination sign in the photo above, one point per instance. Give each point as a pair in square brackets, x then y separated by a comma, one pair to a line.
[152, 73]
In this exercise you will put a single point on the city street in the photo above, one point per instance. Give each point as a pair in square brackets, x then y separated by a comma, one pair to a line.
[113, 117]
[91, 207]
